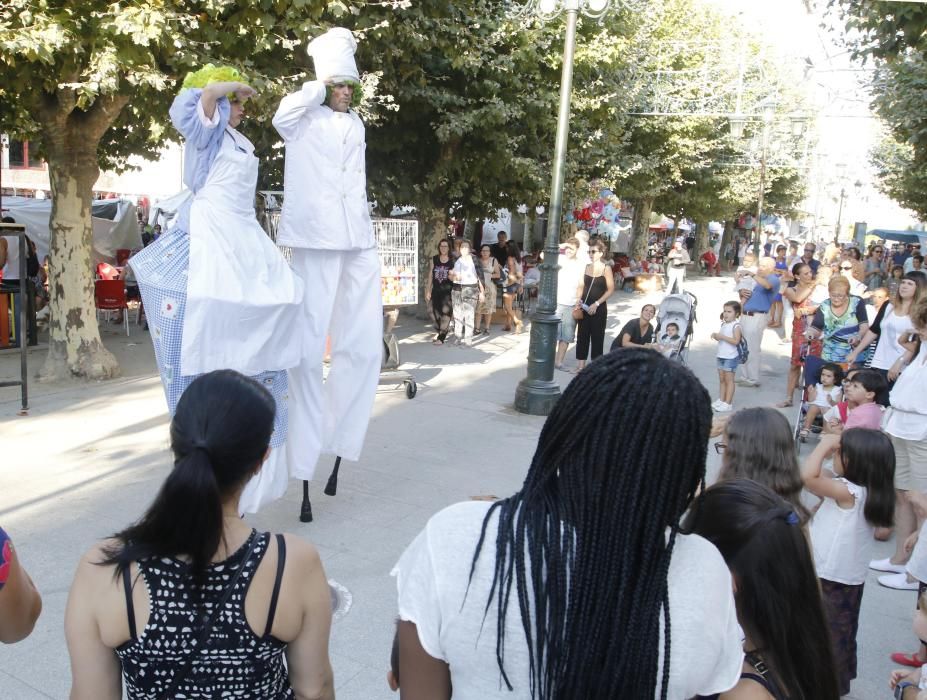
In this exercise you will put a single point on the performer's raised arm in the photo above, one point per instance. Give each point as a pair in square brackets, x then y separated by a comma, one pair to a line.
[290, 120]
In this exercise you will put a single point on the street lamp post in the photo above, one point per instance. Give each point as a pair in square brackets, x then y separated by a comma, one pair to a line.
[768, 107]
[537, 393]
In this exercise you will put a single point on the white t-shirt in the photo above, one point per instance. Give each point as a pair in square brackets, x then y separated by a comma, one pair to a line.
[726, 350]
[434, 571]
[842, 539]
[465, 270]
[568, 276]
[892, 327]
[907, 416]
[821, 393]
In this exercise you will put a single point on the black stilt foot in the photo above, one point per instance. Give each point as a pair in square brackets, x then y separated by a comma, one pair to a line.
[305, 511]
[331, 488]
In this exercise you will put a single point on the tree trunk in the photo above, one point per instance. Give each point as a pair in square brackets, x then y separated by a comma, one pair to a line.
[701, 240]
[727, 238]
[640, 227]
[74, 346]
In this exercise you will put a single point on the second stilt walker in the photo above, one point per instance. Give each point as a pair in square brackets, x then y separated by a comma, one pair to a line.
[326, 222]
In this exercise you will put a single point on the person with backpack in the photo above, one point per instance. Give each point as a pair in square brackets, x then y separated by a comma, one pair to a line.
[728, 354]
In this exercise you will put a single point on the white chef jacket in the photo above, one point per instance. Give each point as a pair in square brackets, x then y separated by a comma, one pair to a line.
[325, 182]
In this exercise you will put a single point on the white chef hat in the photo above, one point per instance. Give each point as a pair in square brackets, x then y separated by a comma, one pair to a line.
[333, 54]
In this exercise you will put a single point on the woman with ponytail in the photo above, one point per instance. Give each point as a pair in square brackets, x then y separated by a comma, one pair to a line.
[779, 606]
[190, 601]
[580, 585]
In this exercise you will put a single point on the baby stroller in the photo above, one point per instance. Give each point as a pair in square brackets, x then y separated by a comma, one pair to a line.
[678, 309]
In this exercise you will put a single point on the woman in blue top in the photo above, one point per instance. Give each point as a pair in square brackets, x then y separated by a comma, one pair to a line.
[217, 292]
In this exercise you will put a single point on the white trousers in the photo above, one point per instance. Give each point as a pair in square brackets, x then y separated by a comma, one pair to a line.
[675, 276]
[343, 299]
[753, 327]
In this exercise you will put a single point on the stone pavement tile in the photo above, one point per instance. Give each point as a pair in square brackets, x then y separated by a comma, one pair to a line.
[14, 689]
[368, 684]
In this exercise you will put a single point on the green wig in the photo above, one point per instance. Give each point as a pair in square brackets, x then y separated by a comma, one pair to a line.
[356, 99]
[213, 74]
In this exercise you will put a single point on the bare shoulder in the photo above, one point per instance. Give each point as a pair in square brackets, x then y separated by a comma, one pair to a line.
[301, 553]
[746, 689]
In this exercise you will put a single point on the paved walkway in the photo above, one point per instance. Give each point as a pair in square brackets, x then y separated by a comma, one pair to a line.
[89, 457]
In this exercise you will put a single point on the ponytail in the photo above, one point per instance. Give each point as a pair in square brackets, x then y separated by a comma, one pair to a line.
[219, 436]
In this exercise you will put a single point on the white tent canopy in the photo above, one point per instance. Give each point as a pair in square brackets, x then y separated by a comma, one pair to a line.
[115, 225]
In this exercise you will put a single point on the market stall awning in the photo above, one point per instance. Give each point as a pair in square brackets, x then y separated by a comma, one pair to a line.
[899, 236]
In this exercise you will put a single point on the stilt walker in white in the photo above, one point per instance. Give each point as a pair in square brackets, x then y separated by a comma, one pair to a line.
[326, 222]
[218, 293]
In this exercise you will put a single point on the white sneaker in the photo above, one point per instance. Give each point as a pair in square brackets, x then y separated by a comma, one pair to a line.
[724, 407]
[717, 404]
[899, 582]
[886, 565]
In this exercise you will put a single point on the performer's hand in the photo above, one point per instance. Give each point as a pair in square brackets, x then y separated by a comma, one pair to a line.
[244, 92]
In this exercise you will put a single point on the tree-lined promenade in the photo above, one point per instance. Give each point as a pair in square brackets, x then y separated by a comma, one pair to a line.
[460, 105]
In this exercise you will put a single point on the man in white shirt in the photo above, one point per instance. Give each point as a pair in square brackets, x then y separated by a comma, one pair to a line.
[676, 263]
[326, 222]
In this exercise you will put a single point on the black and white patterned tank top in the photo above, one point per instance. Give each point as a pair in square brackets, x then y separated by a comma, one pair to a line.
[235, 662]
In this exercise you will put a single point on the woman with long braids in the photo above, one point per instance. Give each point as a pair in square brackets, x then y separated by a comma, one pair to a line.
[190, 601]
[580, 585]
[779, 606]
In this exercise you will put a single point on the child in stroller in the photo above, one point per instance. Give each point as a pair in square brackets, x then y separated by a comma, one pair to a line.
[822, 396]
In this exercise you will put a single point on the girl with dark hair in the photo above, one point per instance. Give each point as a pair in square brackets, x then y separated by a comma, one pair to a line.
[438, 290]
[779, 608]
[891, 325]
[798, 295]
[580, 585]
[855, 502]
[513, 280]
[210, 582]
[758, 445]
[726, 354]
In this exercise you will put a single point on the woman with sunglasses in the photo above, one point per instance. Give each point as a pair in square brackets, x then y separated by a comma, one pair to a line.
[594, 289]
[876, 268]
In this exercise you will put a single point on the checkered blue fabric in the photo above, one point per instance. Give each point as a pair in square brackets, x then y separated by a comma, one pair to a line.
[161, 271]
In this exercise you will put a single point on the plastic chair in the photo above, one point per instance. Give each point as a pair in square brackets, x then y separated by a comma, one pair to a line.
[105, 271]
[110, 295]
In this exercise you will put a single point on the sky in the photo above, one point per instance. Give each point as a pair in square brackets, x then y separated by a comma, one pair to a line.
[843, 128]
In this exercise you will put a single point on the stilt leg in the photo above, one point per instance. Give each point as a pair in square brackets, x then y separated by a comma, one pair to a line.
[305, 512]
[331, 488]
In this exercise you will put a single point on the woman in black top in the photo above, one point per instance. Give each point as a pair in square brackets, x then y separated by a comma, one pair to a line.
[190, 601]
[597, 285]
[637, 331]
[438, 291]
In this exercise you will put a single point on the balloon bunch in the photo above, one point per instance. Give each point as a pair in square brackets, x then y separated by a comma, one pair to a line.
[598, 214]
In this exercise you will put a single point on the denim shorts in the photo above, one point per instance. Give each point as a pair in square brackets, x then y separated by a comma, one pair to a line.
[567, 332]
[727, 364]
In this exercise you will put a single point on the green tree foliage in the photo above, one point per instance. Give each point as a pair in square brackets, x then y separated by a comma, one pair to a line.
[893, 38]
[91, 82]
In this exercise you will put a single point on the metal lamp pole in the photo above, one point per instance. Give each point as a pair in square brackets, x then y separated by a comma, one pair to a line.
[843, 195]
[537, 393]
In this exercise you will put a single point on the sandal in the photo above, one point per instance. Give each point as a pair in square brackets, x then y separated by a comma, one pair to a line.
[803, 434]
[437, 341]
[784, 404]
[907, 659]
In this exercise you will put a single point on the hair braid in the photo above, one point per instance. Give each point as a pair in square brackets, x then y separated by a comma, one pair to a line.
[585, 540]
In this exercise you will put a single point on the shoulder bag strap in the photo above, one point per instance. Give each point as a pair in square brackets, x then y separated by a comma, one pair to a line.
[184, 670]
